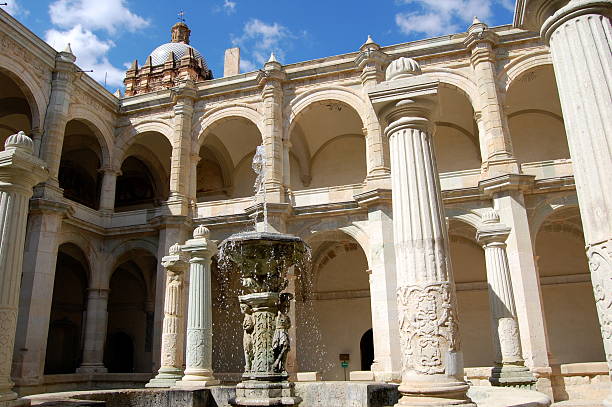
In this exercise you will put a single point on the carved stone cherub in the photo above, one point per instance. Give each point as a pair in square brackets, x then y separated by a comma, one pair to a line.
[248, 325]
[280, 341]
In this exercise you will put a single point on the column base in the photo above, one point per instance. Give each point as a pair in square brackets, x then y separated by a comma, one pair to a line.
[166, 378]
[434, 393]
[264, 393]
[92, 368]
[512, 376]
[191, 382]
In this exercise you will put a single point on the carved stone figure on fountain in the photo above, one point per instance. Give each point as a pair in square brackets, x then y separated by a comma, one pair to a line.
[248, 325]
[281, 343]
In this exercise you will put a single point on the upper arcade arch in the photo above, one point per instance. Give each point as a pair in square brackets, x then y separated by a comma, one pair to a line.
[517, 67]
[218, 115]
[30, 88]
[100, 129]
[128, 136]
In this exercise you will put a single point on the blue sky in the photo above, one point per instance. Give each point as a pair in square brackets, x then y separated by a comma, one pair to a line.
[108, 34]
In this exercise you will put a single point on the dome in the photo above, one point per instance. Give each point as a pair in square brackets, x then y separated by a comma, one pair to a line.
[160, 54]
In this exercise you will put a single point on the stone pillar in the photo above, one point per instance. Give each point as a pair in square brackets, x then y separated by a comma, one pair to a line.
[57, 111]
[383, 285]
[509, 369]
[172, 229]
[370, 61]
[172, 346]
[432, 365]
[271, 79]
[198, 370]
[19, 172]
[184, 97]
[107, 191]
[494, 133]
[95, 331]
[39, 262]
[507, 193]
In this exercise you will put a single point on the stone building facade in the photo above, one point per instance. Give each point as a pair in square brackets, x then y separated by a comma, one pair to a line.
[130, 176]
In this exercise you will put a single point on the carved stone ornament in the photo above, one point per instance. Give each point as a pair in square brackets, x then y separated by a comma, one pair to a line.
[428, 326]
[600, 264]
[402, 67]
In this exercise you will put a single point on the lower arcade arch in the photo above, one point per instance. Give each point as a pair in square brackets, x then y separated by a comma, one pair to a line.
[333, 310]
[131, 302]
[66, 322]
[571, 318]
[474, 314]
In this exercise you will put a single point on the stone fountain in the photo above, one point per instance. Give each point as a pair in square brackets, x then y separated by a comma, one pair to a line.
[263, 260]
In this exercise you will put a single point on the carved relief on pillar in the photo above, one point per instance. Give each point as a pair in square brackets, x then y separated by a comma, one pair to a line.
[428, 326]
[8, 322]
[600, 264]
[509, 339]
[197, 344]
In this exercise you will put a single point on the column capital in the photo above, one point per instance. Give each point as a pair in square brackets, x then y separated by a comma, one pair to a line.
[176, 261]
[200, 245]
[18, 166]
[533, 14]
[573, 9]
[492, 234]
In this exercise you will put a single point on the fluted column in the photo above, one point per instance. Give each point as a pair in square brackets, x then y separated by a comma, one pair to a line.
[172, 346]
[432, 366]
[19, 172]
[198, 370]
[509, 369]
[96, 318]
[579, 34]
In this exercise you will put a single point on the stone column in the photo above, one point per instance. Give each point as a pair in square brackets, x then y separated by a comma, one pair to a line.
[57, 111]
[198, 370]
[493, 129]
[184, 97]
[579, 35]
[172, 346]
[19, 172]
[107, 191]
[95, 331]
[509, 369]
[172, 229]
[370, 61]
[271, 79]
[507, 193]
[432, 365]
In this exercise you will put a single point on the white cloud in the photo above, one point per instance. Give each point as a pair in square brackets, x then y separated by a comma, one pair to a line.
[259, 40]
[435, 17]
[229, 6]
[13, 8]
[91, 52]
[109, 15]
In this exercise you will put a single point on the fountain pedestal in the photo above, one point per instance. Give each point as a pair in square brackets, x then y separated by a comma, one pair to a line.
[263, 260]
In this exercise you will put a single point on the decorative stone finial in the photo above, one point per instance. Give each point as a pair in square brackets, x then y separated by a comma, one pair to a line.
[490, 216]
[272, 58]
[402, 67]
[201, 232]
[68, 49]
[476, 20]
[19, 141]
[174, 249]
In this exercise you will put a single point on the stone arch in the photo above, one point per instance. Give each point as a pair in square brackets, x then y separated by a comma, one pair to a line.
[546, 208]
[102, 131]
[77, 239]
[29, 86]
[520, 65]
[127, 137]
[469, 216]
[121, 249]
[299, 105]
[456, 80]
[218, 115]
